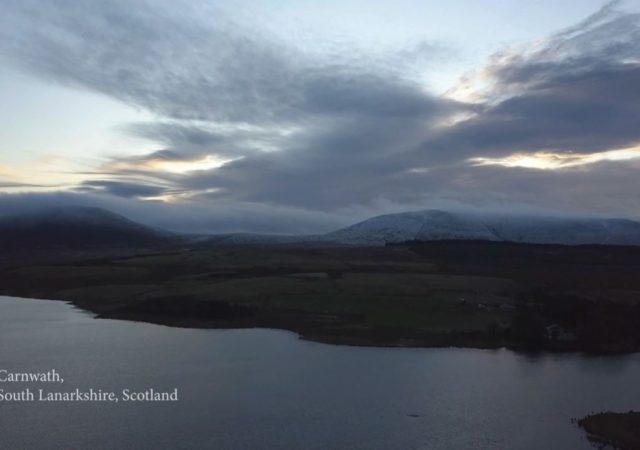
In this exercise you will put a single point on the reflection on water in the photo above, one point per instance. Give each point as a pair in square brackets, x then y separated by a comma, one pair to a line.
[267, 389]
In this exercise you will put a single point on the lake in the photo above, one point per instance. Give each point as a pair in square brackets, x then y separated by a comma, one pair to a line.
[247, 389]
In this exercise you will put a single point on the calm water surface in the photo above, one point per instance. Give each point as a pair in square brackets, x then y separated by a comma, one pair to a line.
[246, 389]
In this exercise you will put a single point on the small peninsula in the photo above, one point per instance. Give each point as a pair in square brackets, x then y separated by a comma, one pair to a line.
[618, 430]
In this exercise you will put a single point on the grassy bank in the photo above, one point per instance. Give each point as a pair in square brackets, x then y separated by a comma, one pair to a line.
[435, 294]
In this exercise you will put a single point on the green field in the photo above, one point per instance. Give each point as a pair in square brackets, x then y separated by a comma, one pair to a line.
[461, 293]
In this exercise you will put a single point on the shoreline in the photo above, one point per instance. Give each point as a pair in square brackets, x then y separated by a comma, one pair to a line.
[307, 329]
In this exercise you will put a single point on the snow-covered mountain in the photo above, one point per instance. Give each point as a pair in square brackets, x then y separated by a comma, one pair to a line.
[432, 225]
[420, 225]
[437, 225]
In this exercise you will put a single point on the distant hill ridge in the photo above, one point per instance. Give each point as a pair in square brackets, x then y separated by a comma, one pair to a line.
[95, 227]
[431, 225]
[76, 227]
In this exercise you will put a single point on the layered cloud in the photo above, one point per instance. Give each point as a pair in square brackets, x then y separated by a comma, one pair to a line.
[245, 119]
[576, 92]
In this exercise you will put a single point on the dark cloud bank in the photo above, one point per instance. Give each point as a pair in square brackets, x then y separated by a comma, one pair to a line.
[316, 142]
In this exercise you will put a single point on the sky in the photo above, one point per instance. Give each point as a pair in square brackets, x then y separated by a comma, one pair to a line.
[300, 116]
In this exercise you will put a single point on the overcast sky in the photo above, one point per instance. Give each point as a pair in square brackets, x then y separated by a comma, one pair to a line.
[303, 116]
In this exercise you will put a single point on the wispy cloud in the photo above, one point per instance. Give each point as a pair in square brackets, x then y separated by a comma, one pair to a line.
[554, 161]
